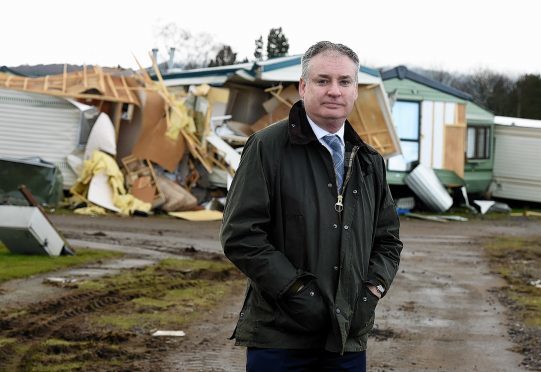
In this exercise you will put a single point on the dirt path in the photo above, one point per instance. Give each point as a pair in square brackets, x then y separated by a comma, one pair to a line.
[440, 311]
[439, 315]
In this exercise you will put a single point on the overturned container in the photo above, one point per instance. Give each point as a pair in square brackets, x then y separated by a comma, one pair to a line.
[25, 230]
[426, 185]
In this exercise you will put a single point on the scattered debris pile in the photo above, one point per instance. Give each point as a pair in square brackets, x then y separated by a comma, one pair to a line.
[130, 144]
[137, 147]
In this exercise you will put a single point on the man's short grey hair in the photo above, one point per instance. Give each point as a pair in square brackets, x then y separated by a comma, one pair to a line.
[327, 46]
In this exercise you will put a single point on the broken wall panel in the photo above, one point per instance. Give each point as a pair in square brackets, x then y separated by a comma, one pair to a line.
[370, 122]
[278, 106]
[37, 125]
[152, 143]
[455, 138]
[246, 103]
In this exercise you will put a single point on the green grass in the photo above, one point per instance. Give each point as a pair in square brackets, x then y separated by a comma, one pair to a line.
[155, 303]
[172, 309]
[168, 295]
[518, 261]
[16, 266]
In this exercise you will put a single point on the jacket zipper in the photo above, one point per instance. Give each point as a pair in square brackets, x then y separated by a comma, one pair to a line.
[339, 206]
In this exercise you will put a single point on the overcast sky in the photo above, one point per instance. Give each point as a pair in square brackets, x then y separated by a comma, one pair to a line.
[454, 35]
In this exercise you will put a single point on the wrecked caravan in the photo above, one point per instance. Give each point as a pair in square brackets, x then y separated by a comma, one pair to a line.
[37, 125]
[441, 128]
[517, 170]
[261, 93]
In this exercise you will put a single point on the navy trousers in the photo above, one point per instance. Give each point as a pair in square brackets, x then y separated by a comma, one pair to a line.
[282, 360]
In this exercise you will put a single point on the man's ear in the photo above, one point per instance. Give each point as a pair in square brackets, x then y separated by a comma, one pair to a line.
[302, 88]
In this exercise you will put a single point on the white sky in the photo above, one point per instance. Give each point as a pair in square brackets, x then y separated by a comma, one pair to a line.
[454, 35]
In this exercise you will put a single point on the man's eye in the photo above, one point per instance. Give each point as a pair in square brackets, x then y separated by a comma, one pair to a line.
[321, 81]
[345, 83]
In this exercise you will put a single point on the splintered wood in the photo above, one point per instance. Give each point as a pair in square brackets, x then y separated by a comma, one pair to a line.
[89, 83]
[195, 146]
[368, 121]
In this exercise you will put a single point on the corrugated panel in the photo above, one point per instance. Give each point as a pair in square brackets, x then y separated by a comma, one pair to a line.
[39, 125]
[516, 153]
[517, 172]
[512, 188]
[425, 184]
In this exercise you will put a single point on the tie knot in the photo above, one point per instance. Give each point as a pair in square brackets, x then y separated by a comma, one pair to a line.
[333, 141]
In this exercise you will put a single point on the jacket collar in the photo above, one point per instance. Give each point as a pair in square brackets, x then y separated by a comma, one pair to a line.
[301, 133]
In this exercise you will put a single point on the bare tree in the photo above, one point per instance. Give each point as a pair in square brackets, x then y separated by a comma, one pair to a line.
[192, 50]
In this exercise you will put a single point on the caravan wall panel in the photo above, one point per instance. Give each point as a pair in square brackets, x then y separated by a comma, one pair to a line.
[517, 169]
[39, 125]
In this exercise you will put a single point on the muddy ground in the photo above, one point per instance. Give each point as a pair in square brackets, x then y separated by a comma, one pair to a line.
[442, 312]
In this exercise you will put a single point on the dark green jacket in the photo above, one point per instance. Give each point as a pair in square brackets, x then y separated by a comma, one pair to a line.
[280, 227]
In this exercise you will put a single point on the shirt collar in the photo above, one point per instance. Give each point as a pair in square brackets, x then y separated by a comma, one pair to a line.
[320, 132]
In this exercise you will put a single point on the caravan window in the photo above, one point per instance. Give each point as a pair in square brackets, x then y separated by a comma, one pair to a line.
[478, 143]
[406, 119]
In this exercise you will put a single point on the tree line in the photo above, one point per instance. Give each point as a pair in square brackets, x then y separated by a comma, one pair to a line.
[196, 50]
[499, 93]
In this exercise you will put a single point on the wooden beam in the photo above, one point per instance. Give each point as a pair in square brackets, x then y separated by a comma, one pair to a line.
[111, 85]
[126, 89]
[64, 77]
[101, 79]
[85, 80]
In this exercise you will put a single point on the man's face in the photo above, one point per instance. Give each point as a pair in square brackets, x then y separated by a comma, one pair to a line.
[330, 90]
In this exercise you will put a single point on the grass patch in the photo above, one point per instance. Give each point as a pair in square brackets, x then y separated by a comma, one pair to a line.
[172, 309]
[15, 266]
[518, 261]
[120, 314]
[167, 295]
[6, 341]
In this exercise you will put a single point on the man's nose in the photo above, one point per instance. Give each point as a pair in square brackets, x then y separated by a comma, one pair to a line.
[334, 89]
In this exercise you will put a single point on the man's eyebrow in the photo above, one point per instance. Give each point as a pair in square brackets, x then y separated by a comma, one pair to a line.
[341, 77]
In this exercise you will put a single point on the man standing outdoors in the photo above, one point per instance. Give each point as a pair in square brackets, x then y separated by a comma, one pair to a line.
[310, 221]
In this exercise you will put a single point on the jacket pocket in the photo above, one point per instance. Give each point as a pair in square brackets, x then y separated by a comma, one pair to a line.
[363, 317]
[303, 312]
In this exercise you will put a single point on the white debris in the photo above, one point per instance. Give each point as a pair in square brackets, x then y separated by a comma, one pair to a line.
[59, 280]
[169, 333]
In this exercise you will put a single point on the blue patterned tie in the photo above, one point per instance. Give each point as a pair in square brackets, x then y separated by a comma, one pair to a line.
[337, 156]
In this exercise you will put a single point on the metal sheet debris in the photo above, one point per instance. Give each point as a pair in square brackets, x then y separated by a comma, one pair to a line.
[425, 184]
[26, 230]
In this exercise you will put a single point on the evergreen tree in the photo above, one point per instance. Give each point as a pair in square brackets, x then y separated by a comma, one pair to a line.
[258, 53]
[224, 57]
[277, 44]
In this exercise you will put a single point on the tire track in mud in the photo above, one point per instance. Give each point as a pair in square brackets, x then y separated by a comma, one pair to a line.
[31, 326]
